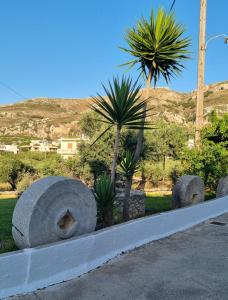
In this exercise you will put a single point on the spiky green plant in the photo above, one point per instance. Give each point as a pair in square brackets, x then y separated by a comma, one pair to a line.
[128, 166]
[105, 196]
[159, 48]
[122, 107]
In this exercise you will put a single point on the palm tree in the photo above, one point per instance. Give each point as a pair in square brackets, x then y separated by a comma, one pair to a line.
[158, 46]
[121, 108]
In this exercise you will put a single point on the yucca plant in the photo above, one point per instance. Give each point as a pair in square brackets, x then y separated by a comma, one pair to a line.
[123, 107]
[128, 166]
[105, 196]
[159, 48]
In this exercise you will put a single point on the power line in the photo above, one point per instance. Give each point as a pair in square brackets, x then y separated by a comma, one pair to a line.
[13, 90]
[171, 8]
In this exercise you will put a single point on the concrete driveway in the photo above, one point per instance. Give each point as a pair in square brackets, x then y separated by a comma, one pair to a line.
[188, 265]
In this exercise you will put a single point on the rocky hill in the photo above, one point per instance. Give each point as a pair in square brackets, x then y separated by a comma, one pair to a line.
[54, 118]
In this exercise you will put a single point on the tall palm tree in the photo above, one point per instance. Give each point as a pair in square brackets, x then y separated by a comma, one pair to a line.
[158, 47]
[122, 107]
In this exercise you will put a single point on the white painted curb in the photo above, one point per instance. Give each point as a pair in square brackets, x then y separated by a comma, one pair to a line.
[27, 270]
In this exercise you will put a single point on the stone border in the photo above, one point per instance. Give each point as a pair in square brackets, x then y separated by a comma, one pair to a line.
[31, 269]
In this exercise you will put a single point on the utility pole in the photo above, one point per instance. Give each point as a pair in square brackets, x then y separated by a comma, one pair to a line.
[201, 72]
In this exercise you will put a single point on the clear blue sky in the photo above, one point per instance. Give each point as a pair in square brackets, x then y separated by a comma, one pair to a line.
[66, 48]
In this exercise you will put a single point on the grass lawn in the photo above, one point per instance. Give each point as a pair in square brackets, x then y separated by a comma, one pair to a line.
[6, 212]
[155, 203]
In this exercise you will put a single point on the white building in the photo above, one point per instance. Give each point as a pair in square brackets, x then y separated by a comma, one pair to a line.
[191, 143]
[43, 146]
[9, 148]
[69, 146]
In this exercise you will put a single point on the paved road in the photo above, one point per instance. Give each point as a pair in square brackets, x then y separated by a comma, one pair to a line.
[188, 265]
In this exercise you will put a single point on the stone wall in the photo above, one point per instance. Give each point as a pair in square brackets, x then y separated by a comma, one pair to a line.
[136, 203]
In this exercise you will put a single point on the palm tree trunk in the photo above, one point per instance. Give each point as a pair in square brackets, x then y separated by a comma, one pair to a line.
[142, 183]
[115, 156]
[108, 217]
[127, 195]
[138, 150]
[13, 185]
[140, 135]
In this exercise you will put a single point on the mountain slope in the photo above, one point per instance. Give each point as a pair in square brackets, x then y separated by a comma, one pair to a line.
[54, 118]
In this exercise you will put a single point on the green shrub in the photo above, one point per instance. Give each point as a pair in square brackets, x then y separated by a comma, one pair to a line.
[5, 186]
[25, 182]
[210, 163]
[153, 172]
[208, 93]
[12, 170]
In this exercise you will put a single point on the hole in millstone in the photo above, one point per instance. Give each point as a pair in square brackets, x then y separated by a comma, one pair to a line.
[67, 221]
[218, 223]
[194, 196]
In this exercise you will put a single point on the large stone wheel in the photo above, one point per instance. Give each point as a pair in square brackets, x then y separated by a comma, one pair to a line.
[222, 189]
[52, 209]
[187, 191]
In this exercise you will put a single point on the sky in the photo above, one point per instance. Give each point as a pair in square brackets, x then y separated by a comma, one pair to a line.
[67, 48]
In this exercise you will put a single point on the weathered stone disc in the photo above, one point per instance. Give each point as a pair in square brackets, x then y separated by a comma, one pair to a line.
[52, 209]
[188, 190]
[222, 189]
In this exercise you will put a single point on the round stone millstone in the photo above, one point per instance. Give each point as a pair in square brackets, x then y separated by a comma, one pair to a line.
[188, 190]
[222, 189]
[52, 209]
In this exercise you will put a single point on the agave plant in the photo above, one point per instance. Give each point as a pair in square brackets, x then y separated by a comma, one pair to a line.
[122, 107]
[159, 48]
[105, 196]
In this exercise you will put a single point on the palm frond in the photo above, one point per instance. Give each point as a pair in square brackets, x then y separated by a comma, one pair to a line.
[100, 136]
[123, 105]
[158, 45]
[128, 166]
[104, 195]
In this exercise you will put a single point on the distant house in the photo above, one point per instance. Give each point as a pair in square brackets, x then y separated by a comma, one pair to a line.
[191, 143]
[9, 148]
[69, 146]
[43, 146]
